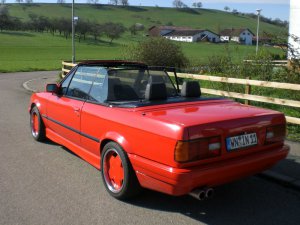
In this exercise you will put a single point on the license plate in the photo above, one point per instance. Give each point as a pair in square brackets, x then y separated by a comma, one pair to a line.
[241, 141]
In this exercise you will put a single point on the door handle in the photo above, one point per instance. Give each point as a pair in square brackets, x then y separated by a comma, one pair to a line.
[76, 110]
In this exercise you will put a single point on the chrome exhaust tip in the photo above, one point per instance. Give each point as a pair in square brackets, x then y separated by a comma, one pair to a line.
[209, 193]
[199, 194]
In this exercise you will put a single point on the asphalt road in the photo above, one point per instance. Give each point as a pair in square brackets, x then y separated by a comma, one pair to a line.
[46, 184]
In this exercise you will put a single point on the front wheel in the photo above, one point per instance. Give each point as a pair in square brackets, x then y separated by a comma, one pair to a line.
[37, 126]
[117, 173]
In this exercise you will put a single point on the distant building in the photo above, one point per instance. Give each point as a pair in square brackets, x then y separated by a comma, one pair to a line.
[193, 36]
[157, 31]
[241, 35]
[184, 34]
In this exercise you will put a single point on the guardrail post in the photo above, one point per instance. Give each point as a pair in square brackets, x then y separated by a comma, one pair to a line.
[247, 91]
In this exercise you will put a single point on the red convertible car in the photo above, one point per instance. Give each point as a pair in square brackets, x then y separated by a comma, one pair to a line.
[133, 123]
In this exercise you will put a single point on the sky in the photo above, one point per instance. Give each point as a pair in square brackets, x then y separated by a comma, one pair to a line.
[270, 8]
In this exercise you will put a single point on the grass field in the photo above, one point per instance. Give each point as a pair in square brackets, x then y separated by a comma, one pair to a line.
[25, 51]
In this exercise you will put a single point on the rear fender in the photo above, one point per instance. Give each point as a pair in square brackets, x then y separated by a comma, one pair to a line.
[118, 138]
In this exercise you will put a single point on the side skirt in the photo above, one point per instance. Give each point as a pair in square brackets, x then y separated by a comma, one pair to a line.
[81, 152]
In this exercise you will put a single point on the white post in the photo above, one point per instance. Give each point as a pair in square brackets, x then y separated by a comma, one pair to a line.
[257, 31]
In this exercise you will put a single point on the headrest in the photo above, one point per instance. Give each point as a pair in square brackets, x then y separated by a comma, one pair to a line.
[112, 82]
[156, 91]
[190, 89]
[156, 79]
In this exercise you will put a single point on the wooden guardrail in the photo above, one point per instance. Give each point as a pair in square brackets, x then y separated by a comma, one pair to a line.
[66, 67]
[282, 63]
[247, 96]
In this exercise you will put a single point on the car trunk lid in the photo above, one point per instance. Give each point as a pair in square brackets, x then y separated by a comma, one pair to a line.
[226, 119]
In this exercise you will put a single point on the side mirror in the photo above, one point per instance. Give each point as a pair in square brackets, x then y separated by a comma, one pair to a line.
[52, 88]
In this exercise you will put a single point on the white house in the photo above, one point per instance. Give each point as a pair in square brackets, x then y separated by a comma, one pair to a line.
[242, 35]
[192, 36]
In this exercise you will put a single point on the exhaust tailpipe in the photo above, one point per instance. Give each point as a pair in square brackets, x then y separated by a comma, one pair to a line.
[199, 194]
[202, 194]
[209, 193]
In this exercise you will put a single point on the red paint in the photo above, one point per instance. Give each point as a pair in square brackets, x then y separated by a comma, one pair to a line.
[114, 169]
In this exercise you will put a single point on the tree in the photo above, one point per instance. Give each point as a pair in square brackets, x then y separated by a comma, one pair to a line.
[62, 25]
[197, 4]
[4, 18]
[124, 2]
[114, 2]
[95, 2]
[82, 28]
[135, 28]
[234, 11]
[157, 51]
[38, 23]
[114, 30]
[226, 8]
[178, 3]
[96, 29]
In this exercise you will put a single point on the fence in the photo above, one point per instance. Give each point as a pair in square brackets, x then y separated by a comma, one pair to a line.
[66, 67]
[278, 63]
[247, 96]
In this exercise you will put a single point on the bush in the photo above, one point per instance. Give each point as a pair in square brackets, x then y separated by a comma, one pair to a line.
[157, 52]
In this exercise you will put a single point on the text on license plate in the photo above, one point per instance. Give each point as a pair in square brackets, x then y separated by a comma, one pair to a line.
[241, 141]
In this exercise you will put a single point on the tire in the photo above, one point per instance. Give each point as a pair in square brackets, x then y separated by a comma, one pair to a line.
[37, 126]
[117, 173]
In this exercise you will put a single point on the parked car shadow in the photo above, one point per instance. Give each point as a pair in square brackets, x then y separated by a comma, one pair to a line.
[253, 200]
[49, 142]
[249, 201]
[289, 167]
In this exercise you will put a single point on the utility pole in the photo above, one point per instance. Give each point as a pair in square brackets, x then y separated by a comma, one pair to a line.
[73, 34]
[257, 31]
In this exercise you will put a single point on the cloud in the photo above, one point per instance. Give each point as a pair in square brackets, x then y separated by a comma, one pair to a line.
[249, 1]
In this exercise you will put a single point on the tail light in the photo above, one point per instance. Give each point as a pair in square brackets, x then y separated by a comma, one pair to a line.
[275, 134]
[187, 151]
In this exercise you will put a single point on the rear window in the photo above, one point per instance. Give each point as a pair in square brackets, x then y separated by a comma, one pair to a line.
[132, 83]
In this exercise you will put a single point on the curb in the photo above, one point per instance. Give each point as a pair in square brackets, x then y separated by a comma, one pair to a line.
[25, 85]
[281, 179]
[30, 89]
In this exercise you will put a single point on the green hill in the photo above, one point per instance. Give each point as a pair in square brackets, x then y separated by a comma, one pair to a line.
[214, 20]
[26, 51]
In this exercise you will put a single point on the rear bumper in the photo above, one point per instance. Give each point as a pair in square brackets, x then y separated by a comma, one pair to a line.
[177, 181]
